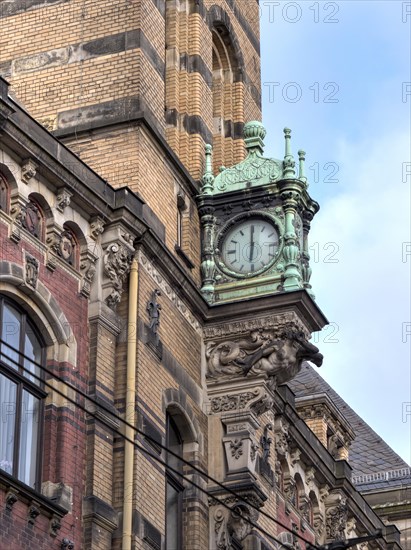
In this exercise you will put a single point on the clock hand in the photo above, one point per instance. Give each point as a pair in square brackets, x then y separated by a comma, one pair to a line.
[252, 243]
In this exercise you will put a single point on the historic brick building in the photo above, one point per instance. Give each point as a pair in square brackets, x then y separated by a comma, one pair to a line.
[154, 305]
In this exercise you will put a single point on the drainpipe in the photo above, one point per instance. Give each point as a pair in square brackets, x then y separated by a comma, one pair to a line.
[130, 415]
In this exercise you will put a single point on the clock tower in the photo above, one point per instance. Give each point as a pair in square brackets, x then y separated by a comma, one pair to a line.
[255, 220]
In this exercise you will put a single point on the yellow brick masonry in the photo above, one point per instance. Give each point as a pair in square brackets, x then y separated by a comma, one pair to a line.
[319, 427]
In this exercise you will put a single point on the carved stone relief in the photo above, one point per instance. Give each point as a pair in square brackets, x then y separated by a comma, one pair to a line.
[258, 400]
[28, 170]
[88, 267]
[117, 261]
[63, 199]
[31, 270]
[336, 519]
[277, 354]
[232, 525]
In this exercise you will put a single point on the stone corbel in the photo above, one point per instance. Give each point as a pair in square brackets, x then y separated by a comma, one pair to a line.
[88, 267]
[96, 227]
[310, 478]
[230, 527]
[63, 199]
[53, 238]
[318, 523]
[239, 442]
[275, 353]
[117, 258]
[336, 513]
[295, 456]
[28, 170]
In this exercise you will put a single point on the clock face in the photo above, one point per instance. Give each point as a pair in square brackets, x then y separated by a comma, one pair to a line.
[250, 246]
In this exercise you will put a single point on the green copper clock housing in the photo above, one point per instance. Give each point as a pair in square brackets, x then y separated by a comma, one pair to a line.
[248, 245]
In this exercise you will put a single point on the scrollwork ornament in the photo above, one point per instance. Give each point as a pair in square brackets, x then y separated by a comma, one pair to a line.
[117, 262]
[336, 520]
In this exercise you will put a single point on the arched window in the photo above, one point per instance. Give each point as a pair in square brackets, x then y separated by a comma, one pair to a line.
[21, 395]
[4, 194]
[227, 90]
[174, 488]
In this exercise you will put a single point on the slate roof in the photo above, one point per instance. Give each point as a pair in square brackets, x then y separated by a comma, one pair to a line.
[375, 465]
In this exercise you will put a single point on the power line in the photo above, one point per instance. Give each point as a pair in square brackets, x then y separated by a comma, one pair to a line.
[138, 431]
[142, 449]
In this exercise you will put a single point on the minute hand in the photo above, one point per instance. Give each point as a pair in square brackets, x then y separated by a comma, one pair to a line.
[252, 243]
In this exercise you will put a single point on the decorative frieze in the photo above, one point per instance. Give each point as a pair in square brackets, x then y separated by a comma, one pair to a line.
[258, 400]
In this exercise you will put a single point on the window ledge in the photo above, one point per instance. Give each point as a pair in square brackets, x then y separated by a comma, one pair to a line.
[184, 257]
[18, 491]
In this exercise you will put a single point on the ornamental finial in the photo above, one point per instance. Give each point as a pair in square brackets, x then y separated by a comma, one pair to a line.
[254, 134]
[301, 174]
[289, 163]
[208, 177]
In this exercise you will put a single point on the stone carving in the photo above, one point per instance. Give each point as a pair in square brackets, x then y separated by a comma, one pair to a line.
[275, 354]
[295, 457]
[253, 168]
[258, 400]
[279, 322]
[154, 310]
[11, 498]
[67, 544]
[31, 219]
[350, 528]
[161, 281]
[96, 227]
[336, 520]
[88, 269]
[236, 447]
[233, 525]
[290, 491]
[265, 443]
[310, 477]
[31, 271]
[282, 440]
[63, 199]
[65, 247]
[318, 524]
[117, 261]
[28, 170]
[32, 513]
[305, 508]
[227, 403]
[324, 492]
[55, 526]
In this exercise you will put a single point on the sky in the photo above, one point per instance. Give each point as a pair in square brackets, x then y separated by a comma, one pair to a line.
[338, 74]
